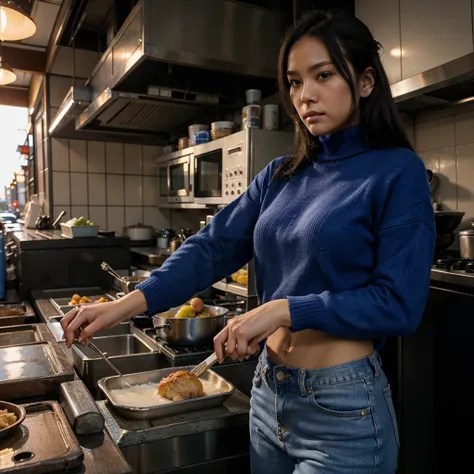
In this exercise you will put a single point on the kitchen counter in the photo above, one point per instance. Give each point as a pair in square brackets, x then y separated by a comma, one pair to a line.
[456, 278]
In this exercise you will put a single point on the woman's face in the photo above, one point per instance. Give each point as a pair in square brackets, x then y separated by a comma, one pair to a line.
[320, 95]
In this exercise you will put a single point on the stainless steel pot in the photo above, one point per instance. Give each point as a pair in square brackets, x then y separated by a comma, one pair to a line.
[466, 244]
[140, 232]
[190, 331]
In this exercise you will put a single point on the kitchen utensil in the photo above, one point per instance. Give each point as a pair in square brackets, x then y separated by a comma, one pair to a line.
[447, 221]
[56, 222]
[433, 180]
[224, 390]
[127, 283]
[175, 244]
[107, 268]
[164, 238]
[197, 331]
[140, 232]
[205, 365]
[466, 244]
[20, 413]
[112, 366]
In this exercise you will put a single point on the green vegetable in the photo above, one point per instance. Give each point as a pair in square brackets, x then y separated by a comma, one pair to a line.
[82, 221]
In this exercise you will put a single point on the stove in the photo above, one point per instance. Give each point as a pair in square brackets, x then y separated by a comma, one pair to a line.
[454, 264]
[450, 269]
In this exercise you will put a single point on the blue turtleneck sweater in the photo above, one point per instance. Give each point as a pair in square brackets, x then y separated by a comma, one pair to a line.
[348, 240]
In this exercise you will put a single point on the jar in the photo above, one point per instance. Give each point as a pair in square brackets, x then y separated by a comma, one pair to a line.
[198, 133]
[251, 113]
[221, 129]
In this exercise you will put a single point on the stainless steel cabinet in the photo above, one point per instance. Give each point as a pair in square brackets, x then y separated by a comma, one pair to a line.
[418, 35]
[383, 20]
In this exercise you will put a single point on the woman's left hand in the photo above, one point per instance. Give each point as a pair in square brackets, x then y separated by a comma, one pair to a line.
[242, 335]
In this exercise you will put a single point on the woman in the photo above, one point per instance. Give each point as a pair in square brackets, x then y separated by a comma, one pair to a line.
[342, 235]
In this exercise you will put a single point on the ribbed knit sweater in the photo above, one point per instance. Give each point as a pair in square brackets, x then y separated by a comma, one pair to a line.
[348, 240]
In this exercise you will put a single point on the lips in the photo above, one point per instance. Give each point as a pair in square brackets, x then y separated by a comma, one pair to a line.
[311, 114]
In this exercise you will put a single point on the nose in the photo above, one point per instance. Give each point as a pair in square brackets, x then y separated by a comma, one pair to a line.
[309, 92]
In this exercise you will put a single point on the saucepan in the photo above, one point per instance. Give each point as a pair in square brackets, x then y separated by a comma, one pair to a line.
[190, 332]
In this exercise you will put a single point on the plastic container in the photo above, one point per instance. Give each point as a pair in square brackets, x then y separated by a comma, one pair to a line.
[221, 129]
[271, 117]
[252, 112]
[73, 232]
[198, 133]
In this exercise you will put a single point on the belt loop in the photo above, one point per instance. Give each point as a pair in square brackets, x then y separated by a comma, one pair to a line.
[375, 362]
[301, 382]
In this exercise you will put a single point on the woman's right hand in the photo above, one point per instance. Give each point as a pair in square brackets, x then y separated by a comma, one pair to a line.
[85, 321]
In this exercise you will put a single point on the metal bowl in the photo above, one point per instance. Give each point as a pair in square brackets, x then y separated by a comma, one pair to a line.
[20, 413]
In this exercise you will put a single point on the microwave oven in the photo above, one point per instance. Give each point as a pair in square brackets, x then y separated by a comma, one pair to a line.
[224, 168]
[180, 178]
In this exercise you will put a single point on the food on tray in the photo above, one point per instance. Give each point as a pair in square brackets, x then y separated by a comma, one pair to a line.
[181, 385]
[82, 221]
[195, 309]
[78, 299]
[240, 276]
[7, 419]
[18, 311]
[146, 395]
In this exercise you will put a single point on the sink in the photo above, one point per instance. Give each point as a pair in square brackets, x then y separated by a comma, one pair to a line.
[16, 335]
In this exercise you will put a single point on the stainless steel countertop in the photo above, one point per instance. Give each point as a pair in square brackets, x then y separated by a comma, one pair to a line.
[457, 278]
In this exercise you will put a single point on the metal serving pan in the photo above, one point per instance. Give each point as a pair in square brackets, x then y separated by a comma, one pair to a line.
[108, 384]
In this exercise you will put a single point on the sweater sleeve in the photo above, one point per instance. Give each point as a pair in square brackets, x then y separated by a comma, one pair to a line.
[393, 302]
[219, 249]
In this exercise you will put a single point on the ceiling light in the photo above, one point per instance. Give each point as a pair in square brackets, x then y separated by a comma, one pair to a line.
[15, 24]
[7, 76]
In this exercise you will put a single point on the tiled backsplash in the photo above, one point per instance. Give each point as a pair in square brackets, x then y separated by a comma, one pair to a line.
[112, 184]
[445, 141]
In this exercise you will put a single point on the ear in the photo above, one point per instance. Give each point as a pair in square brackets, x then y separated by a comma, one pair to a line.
[366, 83]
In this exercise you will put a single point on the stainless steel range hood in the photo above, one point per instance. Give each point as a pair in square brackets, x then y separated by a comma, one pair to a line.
[443, 86]
[173, 63]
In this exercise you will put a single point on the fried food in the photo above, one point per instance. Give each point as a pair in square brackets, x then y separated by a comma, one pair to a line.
[186, 312]
[181, 385]
[7, 419]
[78, 299]
[197, 304]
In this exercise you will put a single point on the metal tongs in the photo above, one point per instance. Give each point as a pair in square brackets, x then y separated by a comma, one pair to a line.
[204, 365]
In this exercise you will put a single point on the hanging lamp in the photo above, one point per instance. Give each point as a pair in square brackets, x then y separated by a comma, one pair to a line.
[15, 24]
[7, 76]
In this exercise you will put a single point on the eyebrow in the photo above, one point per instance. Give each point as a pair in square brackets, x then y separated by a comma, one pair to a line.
[312, 68]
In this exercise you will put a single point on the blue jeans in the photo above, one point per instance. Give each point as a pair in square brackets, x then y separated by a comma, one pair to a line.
[335, 420]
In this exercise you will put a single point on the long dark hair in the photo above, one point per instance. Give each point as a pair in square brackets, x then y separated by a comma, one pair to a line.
[348, 40]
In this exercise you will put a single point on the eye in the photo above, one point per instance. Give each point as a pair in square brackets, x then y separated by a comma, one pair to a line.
[294, 82]
[324, 76]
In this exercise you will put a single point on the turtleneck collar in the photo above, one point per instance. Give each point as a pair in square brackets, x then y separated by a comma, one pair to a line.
[342, 144]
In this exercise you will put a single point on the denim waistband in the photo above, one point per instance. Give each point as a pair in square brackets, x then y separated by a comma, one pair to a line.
[370, 365]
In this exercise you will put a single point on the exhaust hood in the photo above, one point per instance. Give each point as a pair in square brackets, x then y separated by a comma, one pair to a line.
[174, 63]
[450, 84]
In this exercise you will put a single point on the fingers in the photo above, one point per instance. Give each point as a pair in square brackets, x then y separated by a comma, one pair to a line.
[219, 344]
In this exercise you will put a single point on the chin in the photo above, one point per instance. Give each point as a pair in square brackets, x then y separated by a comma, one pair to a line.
[319, 129]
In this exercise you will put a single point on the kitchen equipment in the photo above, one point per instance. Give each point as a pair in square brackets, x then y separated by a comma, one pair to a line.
[80, 408]
[179, 179]
[43, 223]
[106, 358]
[466, 244]
[140, 232]
[175, 244]
[164, 238]
[205, 365]
[44, 444]
[127, 283]
[224, 388]
[129, 353]
[34, 369]
[224, 168]
[196, 331]
[20, 413]
[23, 334]
[14, 313]
[447, 221]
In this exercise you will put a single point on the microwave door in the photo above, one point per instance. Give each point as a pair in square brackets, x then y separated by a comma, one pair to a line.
[179, 180]
[208, 177]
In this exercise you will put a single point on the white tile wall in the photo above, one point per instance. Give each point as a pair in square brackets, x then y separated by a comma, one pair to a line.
[96, 157]
[116, 218]
[445, 141]
[114, 154]
[97, 194]
[79, 193]
[115, 190]
[134, 190]
[78, 155]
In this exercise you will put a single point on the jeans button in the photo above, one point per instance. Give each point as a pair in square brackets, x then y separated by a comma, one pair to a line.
[280, 376]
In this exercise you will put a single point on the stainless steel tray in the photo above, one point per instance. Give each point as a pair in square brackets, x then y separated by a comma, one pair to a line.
[43, 443]
[28, 317]
[13, 335]
[33, 369]
[62, 297]
[108, 384]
